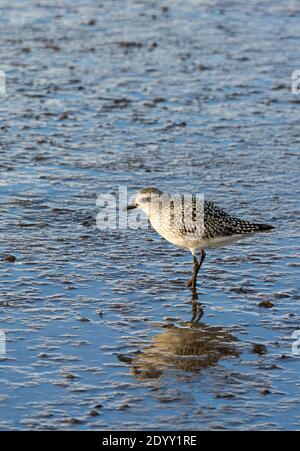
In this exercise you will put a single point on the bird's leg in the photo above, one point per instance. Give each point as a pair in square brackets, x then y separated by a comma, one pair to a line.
[192, 282]
[201, 258]
[197, 266]
[195, 273]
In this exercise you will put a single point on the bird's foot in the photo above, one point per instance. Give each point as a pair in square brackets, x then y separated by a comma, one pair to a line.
[189, 283]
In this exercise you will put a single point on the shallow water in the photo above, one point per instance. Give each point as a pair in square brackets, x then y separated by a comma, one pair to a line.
[194, 97]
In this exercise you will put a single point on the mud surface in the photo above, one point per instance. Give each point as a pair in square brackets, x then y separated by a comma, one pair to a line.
[191, 96]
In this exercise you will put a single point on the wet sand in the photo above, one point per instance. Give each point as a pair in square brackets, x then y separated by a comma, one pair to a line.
[191, 97]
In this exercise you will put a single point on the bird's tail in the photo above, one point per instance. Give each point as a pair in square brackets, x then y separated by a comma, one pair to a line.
[263, 227]
[240, 226]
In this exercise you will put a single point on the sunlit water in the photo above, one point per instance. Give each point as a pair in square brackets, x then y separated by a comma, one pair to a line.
[196, 97]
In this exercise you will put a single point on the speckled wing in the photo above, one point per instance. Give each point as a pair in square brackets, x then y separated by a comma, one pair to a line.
[218, 223]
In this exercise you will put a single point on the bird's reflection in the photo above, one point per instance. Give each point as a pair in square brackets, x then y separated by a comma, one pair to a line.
[197, 307]
[189, 348]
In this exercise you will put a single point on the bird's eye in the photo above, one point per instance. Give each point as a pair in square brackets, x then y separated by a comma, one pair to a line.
[145, 200]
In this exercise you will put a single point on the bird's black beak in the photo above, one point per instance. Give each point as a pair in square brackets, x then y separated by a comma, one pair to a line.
[130, 207]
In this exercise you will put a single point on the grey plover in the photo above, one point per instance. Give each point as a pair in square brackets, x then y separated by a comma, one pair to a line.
[192, 223]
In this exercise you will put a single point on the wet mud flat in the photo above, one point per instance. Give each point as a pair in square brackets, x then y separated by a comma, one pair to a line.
[193, 96]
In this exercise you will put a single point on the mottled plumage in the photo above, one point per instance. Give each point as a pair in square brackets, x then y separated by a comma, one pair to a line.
[218, 223]
[192, 222]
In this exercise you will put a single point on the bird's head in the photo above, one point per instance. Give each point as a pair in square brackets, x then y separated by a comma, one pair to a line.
[146, 199]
